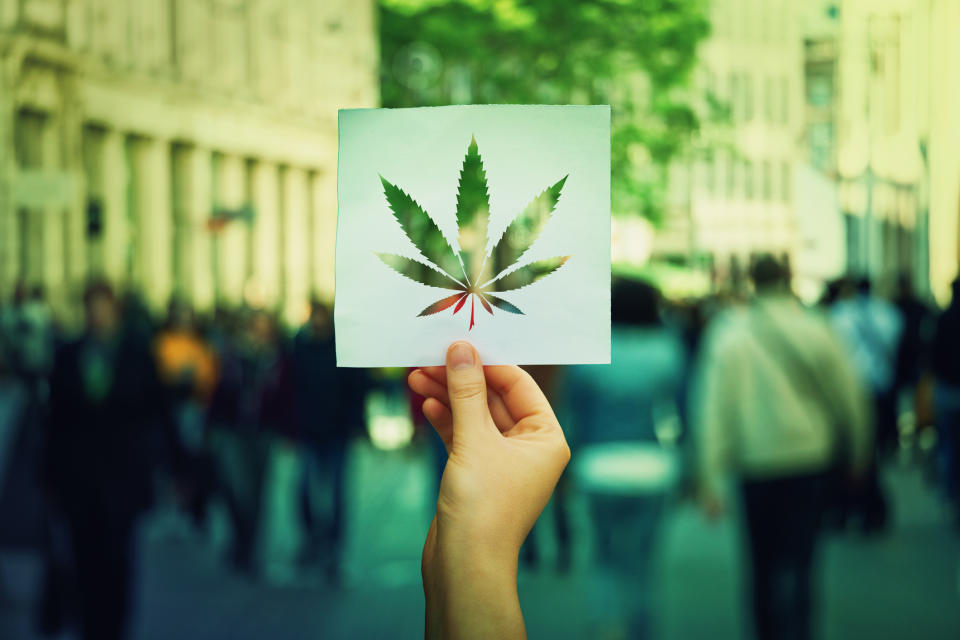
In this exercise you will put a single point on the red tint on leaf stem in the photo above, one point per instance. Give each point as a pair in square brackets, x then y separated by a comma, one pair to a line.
[471, 313]
[486, 305]
[460, 304]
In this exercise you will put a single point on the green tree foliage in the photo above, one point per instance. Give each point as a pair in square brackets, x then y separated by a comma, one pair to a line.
[636, 55]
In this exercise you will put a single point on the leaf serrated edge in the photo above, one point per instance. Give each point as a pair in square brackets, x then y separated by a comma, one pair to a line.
[385, 184]
[558, 185]
[426, 263]
[506, 272]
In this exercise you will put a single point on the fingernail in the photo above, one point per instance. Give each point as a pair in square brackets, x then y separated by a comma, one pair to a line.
[460, 356]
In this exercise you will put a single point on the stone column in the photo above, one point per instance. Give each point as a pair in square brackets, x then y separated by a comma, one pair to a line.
[153, 217]
[198, 202]
[230, 194]
[52, 257]
[116, 241]
[8, 227]
[323, 191]
[75, 221]
[295, 245]
[266, 234]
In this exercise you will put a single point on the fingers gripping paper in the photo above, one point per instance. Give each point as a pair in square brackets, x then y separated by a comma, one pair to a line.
[485, 223]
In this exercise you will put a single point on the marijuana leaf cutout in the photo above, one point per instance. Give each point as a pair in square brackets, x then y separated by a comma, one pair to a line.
[472, 271]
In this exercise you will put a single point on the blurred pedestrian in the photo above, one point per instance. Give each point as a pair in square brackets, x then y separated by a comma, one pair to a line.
[912, 349]
[318, 397]
[614, 416]
[27, 326]
[107, 413]
[547, 378]
[188, 369]
[871, 329]
[778, 403]
[239, 444]
[946, 372]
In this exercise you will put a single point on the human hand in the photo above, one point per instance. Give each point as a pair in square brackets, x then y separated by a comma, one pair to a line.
[506, 452]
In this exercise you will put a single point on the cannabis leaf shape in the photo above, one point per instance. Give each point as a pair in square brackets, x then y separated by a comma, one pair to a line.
[472, 271]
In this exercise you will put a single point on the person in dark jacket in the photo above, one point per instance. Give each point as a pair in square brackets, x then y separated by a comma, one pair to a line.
[328, 409]
[246, 405]
[946, 373]
[107, 412]
[912, 353]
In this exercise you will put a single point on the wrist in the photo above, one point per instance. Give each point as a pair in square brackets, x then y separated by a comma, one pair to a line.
[471, 587]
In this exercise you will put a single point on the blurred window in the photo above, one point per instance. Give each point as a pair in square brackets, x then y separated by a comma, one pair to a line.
[748, 169]
[710, 166]
[820, 91]
[747, 97]
[731, 165]
[784, 100]
[769, 102]
[28, 139]
[820, 140]
[786, 181]
[735, 104]
[767, 181]
[853, 242]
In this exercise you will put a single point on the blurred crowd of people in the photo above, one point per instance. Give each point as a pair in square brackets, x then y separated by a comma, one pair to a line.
[789, 411]
[129, 416]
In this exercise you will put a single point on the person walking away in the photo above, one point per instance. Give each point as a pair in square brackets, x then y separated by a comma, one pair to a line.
[106, 412]
[317, 401]
[546, 376]
[238, 441]
[946, 373]
[778, 400]
[614, 413]
[912, 382]
[870, 328]
[912, 349]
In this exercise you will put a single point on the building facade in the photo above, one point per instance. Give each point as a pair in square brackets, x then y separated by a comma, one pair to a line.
[177, 147]
[734, 196]
[942, 129]
[880, 165]
[898, 161]
[841, 149]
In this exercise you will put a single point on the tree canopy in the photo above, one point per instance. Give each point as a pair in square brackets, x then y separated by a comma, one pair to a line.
[636, 55]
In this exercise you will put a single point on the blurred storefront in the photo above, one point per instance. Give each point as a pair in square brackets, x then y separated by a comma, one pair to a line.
[942, 44]
[899, 149]
[840, 148]
[735, 196]
[177, 146]
[880, 155]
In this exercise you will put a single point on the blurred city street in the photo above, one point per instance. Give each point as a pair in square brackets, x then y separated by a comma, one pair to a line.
[905, 583]
[771, 450]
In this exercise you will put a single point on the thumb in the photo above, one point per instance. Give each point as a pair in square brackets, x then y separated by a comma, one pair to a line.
[468, 390]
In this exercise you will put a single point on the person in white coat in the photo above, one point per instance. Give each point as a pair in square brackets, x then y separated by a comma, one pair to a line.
[778, 401]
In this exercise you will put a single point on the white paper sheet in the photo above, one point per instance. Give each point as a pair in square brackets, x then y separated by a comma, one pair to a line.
[431, 159]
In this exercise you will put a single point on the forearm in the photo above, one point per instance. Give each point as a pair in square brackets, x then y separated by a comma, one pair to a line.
[471, 590]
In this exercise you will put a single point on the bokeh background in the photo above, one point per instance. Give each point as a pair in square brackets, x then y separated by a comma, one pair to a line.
[186, 151]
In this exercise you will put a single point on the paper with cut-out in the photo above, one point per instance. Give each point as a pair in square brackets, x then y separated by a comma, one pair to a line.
[487, 223]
